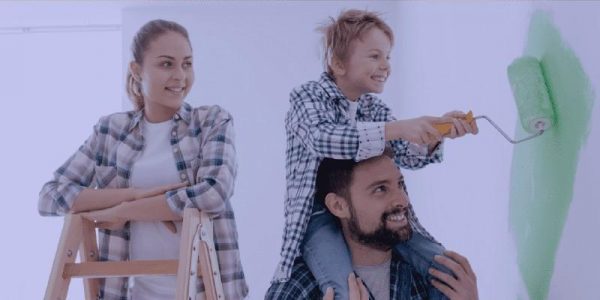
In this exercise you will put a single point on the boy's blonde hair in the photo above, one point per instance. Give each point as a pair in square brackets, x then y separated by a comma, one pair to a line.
[349, 25]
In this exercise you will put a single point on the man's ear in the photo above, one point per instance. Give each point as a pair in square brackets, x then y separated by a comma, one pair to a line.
[135, 70]
[337, 66]
[337, 205]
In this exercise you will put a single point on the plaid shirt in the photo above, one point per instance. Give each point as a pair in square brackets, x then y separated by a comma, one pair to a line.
[202, 140]
[405, 283]
[317, 126]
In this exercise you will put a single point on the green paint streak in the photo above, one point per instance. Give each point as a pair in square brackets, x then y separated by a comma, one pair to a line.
[543, 169]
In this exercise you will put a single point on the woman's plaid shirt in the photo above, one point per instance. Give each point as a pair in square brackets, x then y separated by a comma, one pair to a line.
[317, 126]
[202, 140]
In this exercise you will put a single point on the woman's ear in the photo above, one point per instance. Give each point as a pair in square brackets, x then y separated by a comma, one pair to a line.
[337, 205]
[135, 70]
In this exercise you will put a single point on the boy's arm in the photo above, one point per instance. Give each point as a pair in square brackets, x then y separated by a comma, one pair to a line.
[313, 122]
[408, 155]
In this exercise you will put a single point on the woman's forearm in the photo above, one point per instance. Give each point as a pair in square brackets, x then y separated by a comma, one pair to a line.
[94, 199]
[149, 209]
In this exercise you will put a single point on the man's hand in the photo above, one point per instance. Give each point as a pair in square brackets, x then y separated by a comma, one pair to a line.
[358, 290]
[461, 286]
[460, 125]
[139, 193]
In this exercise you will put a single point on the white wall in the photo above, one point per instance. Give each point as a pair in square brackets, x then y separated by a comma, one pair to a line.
[447, 56]
[54, 88]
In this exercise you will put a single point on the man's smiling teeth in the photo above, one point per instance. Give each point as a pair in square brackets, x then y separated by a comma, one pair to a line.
[396, 217]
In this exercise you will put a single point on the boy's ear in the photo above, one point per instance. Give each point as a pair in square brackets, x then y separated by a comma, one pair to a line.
[337, 66]
[337, 205]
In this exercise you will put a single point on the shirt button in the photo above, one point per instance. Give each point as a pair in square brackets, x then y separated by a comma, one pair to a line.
[173, 133]
[183, 176]
[176, 117]
[175, 150]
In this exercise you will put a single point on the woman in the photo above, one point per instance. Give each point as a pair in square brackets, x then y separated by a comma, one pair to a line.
[139, 169]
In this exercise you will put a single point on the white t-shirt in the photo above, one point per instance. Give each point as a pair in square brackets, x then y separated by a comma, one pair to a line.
[352, 109]
[152, 240]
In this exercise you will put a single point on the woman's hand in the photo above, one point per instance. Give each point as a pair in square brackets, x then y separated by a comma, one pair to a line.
[141, 193]
[460, 125]
[112, 218]
[358, 290]
[461, 286]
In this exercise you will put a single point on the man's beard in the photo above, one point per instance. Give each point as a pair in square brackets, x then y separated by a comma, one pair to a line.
[382, 238]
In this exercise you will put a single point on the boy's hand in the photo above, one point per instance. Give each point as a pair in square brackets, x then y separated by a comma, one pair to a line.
[460, 125]
[461, 286]
[418, 130]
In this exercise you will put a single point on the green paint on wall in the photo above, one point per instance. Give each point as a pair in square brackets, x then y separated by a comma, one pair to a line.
[543, 169]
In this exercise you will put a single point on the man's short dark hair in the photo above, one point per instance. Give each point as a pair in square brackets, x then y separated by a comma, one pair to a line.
[335, 176]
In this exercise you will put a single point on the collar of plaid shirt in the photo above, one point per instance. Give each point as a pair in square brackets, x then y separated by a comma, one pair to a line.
[184, 113]
[405, 283]
[335, 94]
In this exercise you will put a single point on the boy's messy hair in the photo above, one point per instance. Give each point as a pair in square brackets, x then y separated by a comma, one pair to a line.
[349, 25]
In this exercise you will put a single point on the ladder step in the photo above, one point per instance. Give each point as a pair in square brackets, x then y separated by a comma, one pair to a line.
[105, 269]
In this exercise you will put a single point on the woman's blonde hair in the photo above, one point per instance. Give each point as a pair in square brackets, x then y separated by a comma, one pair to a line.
[339, 33]
[148, 33]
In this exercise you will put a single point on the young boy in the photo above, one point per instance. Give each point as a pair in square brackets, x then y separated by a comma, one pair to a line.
[337, 117]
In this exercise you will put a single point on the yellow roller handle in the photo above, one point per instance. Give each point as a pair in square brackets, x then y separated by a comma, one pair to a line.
[444, 128]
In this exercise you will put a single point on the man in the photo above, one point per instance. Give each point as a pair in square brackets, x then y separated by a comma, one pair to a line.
[369, 201]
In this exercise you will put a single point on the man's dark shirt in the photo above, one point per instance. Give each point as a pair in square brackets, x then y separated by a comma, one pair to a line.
[405, 283]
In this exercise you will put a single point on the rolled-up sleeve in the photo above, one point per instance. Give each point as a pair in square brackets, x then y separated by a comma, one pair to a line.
[408, 155]
[371, 137]
[77, 173]
[217, 170]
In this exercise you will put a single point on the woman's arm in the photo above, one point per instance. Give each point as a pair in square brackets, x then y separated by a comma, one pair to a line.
[153, 208]
[95, 199]
[72, 177]
[215, 177]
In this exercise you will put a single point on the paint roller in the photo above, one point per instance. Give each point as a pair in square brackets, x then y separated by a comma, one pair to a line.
[531, 95]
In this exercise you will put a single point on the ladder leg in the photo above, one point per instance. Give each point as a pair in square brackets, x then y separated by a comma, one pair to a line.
[58, 284]
[89, 253]
[209, 263]
[186, 269]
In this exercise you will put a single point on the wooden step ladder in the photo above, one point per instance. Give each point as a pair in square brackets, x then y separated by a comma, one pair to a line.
[197, 258]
